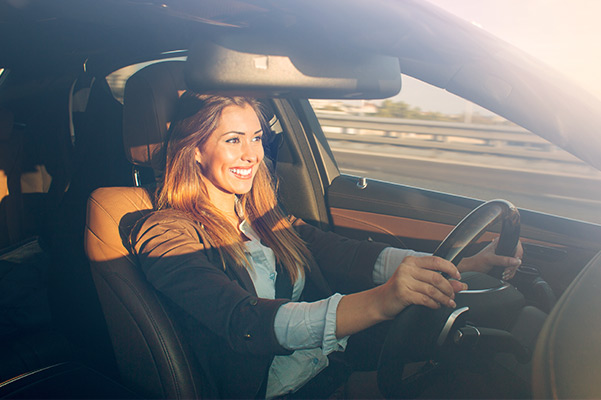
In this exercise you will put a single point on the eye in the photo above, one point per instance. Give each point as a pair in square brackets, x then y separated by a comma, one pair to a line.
[258, 138]
[233, 140]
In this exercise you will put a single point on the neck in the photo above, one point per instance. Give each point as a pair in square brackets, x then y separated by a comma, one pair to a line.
[227, 205]
[224, 202]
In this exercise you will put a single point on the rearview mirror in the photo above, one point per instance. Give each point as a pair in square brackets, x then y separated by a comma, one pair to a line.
[245, 64]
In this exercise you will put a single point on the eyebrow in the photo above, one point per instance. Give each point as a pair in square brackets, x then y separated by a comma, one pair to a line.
[241, 133]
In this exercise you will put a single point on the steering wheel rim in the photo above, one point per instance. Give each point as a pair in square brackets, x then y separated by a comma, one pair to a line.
[470, 228]
[396, 353]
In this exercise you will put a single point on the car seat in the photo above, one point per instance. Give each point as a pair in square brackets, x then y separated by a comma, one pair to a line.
[566, 361]
[152, 358]
[98, 160]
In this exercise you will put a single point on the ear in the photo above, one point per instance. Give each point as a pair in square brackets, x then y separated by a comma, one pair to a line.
[197, 155]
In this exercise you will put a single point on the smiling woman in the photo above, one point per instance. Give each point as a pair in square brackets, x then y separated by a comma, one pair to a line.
[206, 302]
[214, 166]
[220, 248]
[231, 156]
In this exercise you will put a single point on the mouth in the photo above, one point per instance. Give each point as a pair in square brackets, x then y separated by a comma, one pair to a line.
[242, 173]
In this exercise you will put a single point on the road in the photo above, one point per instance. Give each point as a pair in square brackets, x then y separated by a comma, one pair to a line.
[568, 190]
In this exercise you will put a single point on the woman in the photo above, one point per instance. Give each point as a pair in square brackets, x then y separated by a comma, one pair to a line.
[234, 268]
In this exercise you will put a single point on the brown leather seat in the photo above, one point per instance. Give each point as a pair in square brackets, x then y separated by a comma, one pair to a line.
[152, 359]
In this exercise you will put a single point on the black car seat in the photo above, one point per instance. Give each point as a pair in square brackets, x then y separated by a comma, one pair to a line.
[98, 161]
[34, 164]
[11, 207]
[152, 358]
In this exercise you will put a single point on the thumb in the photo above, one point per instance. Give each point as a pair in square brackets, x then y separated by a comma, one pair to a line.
[507, 262]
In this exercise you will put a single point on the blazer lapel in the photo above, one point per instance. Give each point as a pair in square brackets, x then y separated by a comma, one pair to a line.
[235, 273]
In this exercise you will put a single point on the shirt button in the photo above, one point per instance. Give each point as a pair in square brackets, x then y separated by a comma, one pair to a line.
[253, 302]
[315, 360]
[247, 336]
[272, 276]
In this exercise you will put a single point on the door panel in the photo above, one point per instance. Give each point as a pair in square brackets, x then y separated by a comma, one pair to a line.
[408, 217]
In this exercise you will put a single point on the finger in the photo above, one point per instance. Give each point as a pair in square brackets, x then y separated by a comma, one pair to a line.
[506, 262]
[433, 294]
[458, 286]
[436, 280]
[509, 273]
[435, 286]
[519, 251]
[436, 264]
[442, 283]
[424, 300]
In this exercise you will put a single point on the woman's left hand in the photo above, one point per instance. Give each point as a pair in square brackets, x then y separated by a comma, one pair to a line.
[486, 259]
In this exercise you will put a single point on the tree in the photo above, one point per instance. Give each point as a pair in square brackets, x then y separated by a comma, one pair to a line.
[392, 109]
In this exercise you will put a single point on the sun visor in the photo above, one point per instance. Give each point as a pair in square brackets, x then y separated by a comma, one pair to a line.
[241, 65]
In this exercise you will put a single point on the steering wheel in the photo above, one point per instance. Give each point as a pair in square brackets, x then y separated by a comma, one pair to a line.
[415, 332]
[476, 223]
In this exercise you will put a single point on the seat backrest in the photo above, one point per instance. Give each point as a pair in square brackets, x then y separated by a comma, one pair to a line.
[152, 357]
[98, 160]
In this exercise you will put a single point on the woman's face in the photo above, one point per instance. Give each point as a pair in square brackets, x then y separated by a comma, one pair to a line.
[230, 157]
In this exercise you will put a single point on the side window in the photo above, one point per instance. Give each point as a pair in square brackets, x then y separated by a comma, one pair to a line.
[429, 138]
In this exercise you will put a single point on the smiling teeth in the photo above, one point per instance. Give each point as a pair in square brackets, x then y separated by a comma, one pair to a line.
[243, 172]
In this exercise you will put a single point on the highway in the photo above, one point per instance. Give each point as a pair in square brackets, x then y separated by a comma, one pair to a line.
[569, 190]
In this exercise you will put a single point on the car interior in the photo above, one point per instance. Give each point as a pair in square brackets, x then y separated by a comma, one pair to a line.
[78, 169]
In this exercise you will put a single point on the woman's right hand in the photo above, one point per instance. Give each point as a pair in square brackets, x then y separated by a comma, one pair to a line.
[418, 280]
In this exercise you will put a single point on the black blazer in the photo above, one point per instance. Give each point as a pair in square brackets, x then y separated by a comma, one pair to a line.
[229, 328]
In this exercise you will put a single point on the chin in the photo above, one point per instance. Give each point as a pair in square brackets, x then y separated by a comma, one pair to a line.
[241, 191]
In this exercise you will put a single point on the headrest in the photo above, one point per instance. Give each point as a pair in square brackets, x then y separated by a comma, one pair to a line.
[148, 106]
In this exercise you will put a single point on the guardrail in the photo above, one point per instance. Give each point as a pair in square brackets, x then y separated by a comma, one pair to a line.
[473, 138]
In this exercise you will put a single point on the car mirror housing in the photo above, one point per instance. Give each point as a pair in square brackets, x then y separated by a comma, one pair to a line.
[251, 66]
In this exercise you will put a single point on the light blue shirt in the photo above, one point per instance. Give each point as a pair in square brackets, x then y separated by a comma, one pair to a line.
[307, 328]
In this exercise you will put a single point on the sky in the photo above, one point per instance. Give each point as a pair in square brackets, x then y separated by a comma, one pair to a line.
[565, 34]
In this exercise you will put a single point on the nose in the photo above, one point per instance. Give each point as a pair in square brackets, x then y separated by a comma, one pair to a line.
[251, 152]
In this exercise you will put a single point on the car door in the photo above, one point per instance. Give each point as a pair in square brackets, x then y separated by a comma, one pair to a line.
[403, 215]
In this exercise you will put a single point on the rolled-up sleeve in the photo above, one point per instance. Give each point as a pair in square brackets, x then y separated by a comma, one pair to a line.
[389, 260]
[305, 325]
